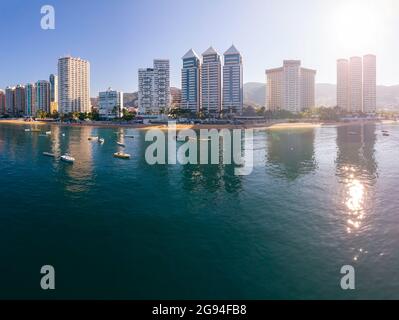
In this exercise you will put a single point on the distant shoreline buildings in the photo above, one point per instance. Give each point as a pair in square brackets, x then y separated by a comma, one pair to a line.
[290, 87]
[211, 86]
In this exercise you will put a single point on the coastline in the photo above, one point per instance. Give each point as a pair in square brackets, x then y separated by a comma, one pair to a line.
[274, 125]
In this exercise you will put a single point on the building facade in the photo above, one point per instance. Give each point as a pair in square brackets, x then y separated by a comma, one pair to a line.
[290, 87]
[357, 84]
[10, 100]
[211, 82]
[73, 85]
[30, 99]
[343, 84]
[2, 102]
[110, 104]
[154, 88]
[43, 96]
[369, 84]
[19, 109]
[191, 82]
[233, 86]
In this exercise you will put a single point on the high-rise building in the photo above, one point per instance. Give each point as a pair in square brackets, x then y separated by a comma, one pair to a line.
[53, 79]
[161, 84]
[190, 82]
[43, 96]
[356, 84]
[146, 91]
[290, 87]
[30, 99]
[343, 84]
[233, 95]
[19, 100]
[369, 84]
[73, 85]
[110, 104]
[154, 88]
[2, 102]
[308, 93]
[211, 82]
[10, 100]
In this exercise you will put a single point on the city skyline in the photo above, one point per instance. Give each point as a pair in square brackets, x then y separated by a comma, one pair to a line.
[318, 28]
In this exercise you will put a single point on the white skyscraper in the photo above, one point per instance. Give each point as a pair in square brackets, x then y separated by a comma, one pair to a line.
[369, 84]
[211, 82]
[190, 82]
[233, 95]
[356, 84]
[291, 87]
[343, 84]
[154, 88]
[73, 85]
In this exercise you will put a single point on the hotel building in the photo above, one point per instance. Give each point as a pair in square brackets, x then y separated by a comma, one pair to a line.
[2, 102]
[73, 85]
[43, 96]
[10, 100]
[110, 104]
[369, 84]
[356, 84]
[19, 100]
[211, 82]
[191, 80]
[233, 94]
[154, 88]
[290, 87]
[30, 99]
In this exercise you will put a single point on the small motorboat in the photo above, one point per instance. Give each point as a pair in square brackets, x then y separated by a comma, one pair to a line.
[101, 140]
[129, 136]
[67, 158]
[63, 134]
[121, 144]
[49, 154]
[27, 130]
[121, 155]
[93, 138]
[48, 133]
[386, 134]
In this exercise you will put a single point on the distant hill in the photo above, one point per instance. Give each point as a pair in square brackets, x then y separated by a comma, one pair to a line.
[387, 96]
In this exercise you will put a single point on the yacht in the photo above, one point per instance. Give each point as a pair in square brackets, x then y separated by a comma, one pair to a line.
[67, 158]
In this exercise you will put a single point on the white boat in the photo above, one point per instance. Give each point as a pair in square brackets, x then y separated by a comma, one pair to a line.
[121, 155]
[48, 133]
[67, 158]
[101, 140]
[27, 130]
[120, 144]
[93, 138]
[63, 134]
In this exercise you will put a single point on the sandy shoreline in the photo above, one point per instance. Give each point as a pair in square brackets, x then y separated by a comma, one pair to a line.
[264, 126]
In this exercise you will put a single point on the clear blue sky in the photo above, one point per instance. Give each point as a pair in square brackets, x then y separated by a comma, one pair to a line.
[120, 36]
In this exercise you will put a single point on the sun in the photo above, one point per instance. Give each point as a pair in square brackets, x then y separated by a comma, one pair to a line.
[355, 27]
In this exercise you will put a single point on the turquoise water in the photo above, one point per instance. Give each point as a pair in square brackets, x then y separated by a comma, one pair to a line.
[317, 199]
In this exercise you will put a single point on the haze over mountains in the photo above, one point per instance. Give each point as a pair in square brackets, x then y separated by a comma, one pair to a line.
[387, 96]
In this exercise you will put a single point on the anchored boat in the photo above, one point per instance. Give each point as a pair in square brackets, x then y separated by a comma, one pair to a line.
[67, 158]
[121, 155]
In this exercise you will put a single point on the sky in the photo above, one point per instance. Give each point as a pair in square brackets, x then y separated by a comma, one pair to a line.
[120, 36]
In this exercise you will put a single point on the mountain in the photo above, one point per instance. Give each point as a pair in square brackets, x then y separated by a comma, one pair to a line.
[387, 96]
